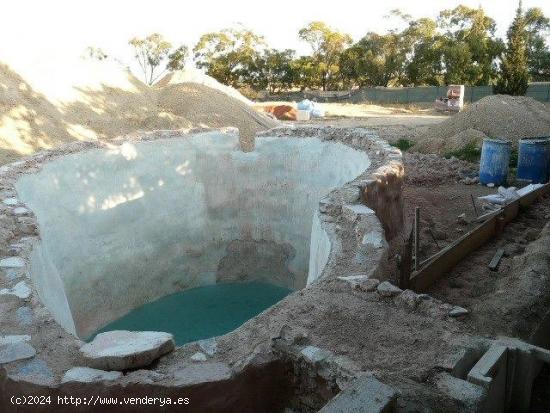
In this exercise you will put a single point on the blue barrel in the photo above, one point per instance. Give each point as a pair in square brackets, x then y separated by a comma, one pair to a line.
[495, 157]
[534, 159]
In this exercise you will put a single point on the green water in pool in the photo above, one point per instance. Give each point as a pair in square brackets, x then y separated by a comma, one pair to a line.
[201, 312]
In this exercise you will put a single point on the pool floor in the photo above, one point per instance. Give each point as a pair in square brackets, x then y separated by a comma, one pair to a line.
[201, 312]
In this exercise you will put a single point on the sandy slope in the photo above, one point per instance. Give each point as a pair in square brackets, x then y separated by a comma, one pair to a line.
[87, 100]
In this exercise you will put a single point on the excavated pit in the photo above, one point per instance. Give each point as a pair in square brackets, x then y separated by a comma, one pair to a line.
[123, 227]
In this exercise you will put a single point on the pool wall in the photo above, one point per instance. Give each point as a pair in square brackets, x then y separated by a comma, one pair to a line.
[154, 218]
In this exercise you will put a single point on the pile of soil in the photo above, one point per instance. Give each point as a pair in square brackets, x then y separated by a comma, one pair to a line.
[192, 75]
[47, 110]
[430, 169]
[498, 116]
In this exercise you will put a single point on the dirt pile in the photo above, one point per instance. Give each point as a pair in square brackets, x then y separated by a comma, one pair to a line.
[430, 169]
[192, 75]
[498, 116]
[45, 110]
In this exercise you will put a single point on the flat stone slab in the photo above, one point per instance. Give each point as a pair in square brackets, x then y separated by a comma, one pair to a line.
[21, 211]
[365, 395]
[24, 316]
[21, 290]
[13, 348]
[35, 371]
[122, 350]
[11, 201]
[387, 289]
[12, 262]
[209, 346]
[88, 375]
[198, 356]
[314, 354]
[202, 373]
[351, 212]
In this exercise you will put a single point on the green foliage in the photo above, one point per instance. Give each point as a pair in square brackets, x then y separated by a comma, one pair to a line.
[538, 53]
[514, 73]
[273, 70]
[327, 45]
[459, 47]
[470, 153]
[152, 52]
[469, 46]
[403, 144]
[230, 55]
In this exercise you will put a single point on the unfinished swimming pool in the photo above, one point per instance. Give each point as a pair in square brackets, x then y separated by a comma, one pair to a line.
[121, 228]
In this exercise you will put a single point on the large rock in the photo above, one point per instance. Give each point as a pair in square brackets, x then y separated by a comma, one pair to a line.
[88, 375]
[122, 350]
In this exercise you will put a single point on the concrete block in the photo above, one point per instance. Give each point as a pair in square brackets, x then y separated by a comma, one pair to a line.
[365, 395]
[470, 395]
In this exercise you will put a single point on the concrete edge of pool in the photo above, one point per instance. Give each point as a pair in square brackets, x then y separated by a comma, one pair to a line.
[281, 358]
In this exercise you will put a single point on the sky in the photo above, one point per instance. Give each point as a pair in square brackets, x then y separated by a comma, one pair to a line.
[36, 30]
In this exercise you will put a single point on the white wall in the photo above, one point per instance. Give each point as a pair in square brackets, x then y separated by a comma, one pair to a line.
[125, 226]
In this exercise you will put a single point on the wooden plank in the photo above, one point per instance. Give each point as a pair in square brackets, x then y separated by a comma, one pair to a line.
[442, 262]
[416, 238]
[406, 261]
[493, 265]
[451, 255]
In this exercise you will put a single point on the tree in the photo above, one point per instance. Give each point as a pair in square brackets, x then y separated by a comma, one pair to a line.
[538, 53]
[379, 60]
[273, 70]
[470, 41]
[230, 55]
[327, 45]
[152, 52]
[306, 74]
[514, 74]
[425, 44]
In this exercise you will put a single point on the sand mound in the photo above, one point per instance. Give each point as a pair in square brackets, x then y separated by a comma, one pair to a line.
[206, 107]
[456, 142]
[498, 116]
[36, 113]
[193, 75]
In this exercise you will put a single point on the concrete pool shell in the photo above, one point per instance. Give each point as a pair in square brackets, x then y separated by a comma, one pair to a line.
[354, 214]
[154, 218]
[347, 339]
[344, 329]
